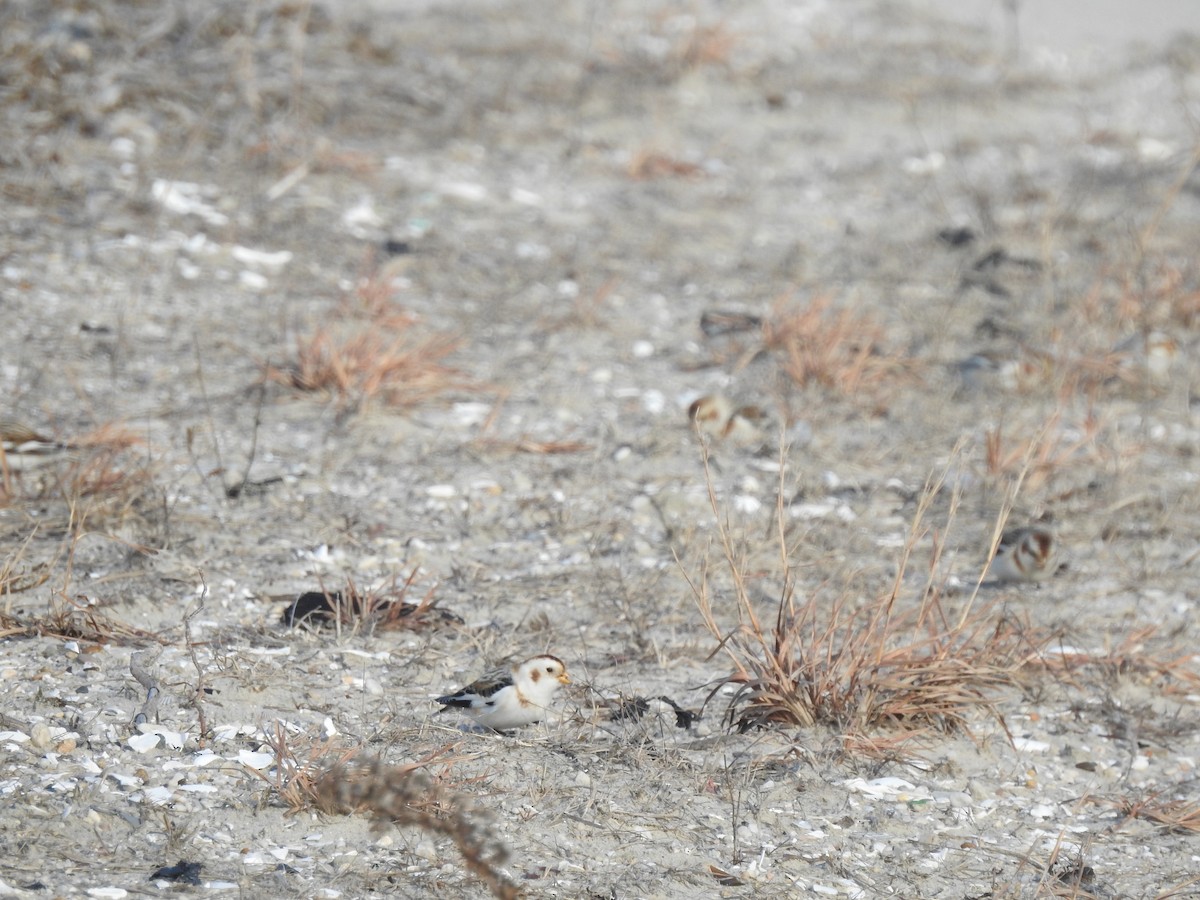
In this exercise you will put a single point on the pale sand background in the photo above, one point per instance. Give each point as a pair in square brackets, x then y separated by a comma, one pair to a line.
[818, 150]
[1077, 27]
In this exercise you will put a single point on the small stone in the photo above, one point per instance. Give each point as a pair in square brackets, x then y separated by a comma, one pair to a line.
[39, 736]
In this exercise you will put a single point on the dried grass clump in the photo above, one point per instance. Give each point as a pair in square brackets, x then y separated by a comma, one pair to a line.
[395, 794]
[90, 485]
[368, 350]
[17, 575]
[94, 470]
[1181, 815]
[1049, 450]
[648, 164]
[1172, 667]
[384, 607]
[365, 364]
[1064, 874]
[105, 471]
[859, 668]
[838, 349]
[707, 45]
[74, 618]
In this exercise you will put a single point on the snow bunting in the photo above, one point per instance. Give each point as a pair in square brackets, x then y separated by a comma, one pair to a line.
[510, 698]
[1025, 554]
[715, 415]
[1155, 353]
[23, 449]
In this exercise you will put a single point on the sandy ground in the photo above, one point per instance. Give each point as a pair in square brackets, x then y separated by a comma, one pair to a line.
[192, 191]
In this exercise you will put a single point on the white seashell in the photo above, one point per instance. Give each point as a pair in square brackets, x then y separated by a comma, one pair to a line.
[143, 742]
[888, 787]
[156, 796]
[183, 197]
[464, 190]
[198, 788]
[253, 281]
[746, 505]
[1028, 745]
[39, 736]
[256, 759]
[262, 259]
[811, 510]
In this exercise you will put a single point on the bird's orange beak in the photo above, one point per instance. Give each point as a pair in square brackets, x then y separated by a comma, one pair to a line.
[564, 678]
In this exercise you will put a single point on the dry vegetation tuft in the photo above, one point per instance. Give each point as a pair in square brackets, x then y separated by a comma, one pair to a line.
[887, 664]
[383, 607]
[859, 667]
[369, 349]
[107, 474]
[1036, 458]
[648, 164]
[93, 486]
[95, 466]
[404, 794]
[1174, 669]
[838, 349]
[74, 618]
[1171, 815]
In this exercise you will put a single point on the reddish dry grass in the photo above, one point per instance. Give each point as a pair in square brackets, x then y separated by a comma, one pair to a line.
[648, 164]
[106, 469]
[1039, 456]
[860, 668]
[96, 464]
[838, 349]
[1174, 668]
[385, 607]
[369, 349]
[1169, 815]
[386, 364]
[75, 618]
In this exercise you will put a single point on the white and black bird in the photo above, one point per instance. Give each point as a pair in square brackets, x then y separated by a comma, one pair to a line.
[1025, 554]
[716, 416]
[512, 697]
[25, 449]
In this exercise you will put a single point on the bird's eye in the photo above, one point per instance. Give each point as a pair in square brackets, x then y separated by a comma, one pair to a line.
[550, 669]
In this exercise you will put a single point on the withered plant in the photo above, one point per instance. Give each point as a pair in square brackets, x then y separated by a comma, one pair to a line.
[74, 618]
[860, 667]
[384, 607]
[1180, 815]
[838, 349]
[406, 795]
[648, 164]
[1172, 667]
[95, 487]
[1035, 458]
[371, 349]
